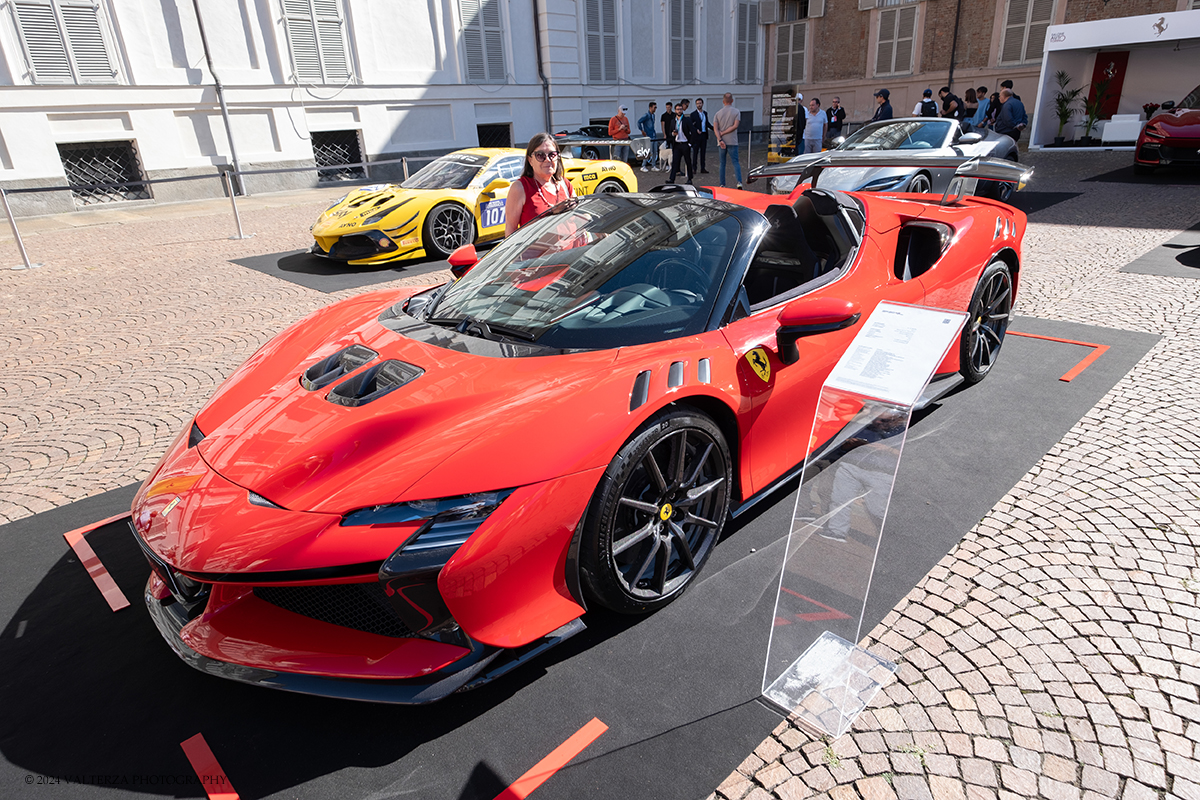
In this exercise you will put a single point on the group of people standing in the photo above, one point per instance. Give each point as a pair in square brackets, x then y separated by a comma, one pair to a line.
[686, 133]
[819, 125]
[1003, 111]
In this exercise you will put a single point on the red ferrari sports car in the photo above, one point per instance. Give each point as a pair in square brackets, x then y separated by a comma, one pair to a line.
[412, 491]
[1172, 136]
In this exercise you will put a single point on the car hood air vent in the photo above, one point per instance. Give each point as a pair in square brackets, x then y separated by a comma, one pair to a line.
[341, 363]
[374, 383]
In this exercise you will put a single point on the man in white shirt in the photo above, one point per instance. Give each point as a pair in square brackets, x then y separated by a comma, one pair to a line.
[814, 126]
[726, 122]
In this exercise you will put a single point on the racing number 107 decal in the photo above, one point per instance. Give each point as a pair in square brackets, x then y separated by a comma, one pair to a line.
[492, 213]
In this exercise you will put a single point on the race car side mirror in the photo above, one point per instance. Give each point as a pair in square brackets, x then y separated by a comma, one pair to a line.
[462, 259]
[496, 185]
[808, 316]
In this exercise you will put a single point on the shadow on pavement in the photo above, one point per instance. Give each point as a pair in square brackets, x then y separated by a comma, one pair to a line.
[323, 275]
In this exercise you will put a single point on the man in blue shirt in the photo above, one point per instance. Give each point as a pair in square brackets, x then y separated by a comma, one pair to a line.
[1012, 119]
[646, 126]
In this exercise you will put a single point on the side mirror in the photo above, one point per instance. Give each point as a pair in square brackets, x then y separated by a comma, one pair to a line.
[1167, 105]
[970, 138]
[462, 259]
[808, 316]
[496, 185]
[838, 141]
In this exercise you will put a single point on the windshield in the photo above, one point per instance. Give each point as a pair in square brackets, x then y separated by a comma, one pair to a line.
[1192, 100]
[599, 272]
[903, 135]
[454, 171]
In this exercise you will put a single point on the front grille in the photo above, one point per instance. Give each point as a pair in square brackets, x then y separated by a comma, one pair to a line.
[358, 245]
[1188, 154]
[360, 606]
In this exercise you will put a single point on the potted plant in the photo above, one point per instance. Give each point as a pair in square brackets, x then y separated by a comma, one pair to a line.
[1064, 102]
[1092, 108]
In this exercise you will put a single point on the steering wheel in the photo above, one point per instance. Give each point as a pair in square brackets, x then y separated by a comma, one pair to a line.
[699, 276]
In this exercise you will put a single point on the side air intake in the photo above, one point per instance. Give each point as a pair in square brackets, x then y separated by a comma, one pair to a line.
[341, 363]
[374, 383]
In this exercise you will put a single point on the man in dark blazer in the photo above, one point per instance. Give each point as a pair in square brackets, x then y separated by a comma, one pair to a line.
[701, 125]
[679, 133]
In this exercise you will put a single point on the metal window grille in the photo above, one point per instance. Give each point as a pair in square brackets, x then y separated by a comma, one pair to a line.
[601, 16]
[100, 163]
[334, 149]
[1025, 27]
[495, 135]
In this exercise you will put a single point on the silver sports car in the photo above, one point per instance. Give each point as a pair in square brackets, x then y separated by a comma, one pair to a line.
[918, 135]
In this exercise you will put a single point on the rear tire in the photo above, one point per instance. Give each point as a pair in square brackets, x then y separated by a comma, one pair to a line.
[590, 153]
[610, 186]
[657, 513]
[987, 322]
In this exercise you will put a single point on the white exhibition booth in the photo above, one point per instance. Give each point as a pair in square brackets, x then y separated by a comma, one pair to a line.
[1163, 52]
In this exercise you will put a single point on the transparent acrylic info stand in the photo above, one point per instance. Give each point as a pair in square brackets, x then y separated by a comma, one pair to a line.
[814, 669]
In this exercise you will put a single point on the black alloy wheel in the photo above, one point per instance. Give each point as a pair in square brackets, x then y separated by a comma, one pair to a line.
[448, 227]
[590, 153]
[989, 314]
[610, 186]
[657, 513]
[920, 184]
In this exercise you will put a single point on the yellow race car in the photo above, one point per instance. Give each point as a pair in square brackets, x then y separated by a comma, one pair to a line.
[454, 200]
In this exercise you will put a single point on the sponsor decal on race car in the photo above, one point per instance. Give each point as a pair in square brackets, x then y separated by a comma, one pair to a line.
[410, 241]
[491, 213]
[589, 176]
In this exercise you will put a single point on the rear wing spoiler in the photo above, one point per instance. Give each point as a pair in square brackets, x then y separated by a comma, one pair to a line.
[977, 169]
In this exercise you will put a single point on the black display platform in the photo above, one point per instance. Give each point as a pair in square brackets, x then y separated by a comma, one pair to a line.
[1177, 258]
[98, 697]
[1033, 202]
[1174, 175]
[323, 275]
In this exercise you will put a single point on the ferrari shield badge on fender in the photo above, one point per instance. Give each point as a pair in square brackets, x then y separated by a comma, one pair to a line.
[757, 358]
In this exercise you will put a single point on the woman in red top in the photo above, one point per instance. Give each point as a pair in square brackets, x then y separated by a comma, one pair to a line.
[541, 185]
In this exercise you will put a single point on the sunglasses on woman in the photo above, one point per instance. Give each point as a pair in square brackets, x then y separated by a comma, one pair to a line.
[544, 157]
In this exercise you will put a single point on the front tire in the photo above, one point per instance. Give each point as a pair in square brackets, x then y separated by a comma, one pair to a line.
[987, 322]
[657, 513]
[448, 227]
[920, 184]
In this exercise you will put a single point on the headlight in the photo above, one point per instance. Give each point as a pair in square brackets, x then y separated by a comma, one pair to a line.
[881, 184]
[377, 216]
[469, 506]
[337, 202]
[1155, 132]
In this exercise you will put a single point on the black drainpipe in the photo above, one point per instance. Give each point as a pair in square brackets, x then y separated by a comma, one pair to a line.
[537, 33]
[953, 44]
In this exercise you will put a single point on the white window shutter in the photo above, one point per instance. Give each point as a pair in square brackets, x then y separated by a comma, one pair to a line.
[906, 28]
[483, 40]
[44, 43]
[783, 53]
[866, 5]
[752, 45]
[885, 54]
[1015, 25]
[1041, 15]
[689, 40]
[82, 23]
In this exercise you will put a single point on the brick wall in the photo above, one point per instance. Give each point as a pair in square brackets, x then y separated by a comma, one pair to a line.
[1090, 10]
[839, 42]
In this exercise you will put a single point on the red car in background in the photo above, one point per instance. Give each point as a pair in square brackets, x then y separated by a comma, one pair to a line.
[1172, 136]
[412, 491]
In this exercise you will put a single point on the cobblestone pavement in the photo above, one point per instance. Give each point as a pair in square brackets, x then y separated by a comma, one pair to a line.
[1055, 653]
[1051, 654]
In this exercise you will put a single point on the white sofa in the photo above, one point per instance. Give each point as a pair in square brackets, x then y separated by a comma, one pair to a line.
[1122, 128]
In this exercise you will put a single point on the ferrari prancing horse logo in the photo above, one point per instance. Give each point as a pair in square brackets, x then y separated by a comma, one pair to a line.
[758, 361]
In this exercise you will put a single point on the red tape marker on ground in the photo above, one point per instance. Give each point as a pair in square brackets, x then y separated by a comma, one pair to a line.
[91, 562]
[212, 777]
[1097, 351]
[552, 763]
